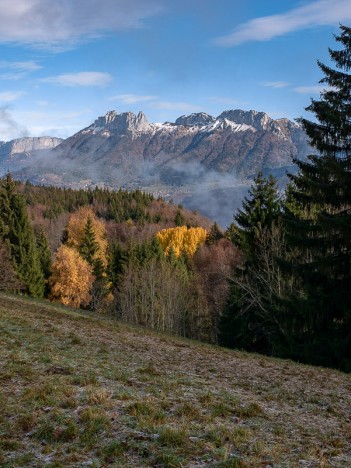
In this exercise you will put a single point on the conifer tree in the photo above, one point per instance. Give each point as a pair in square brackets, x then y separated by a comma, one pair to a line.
[179, 219]
[117, 260]
[86, 233]
[44, 252]
[20, 238]
[250, 319]
[44, 255]
[88, 247]
[9, 280]
[259, 211]
[321, 227]
[3, 228]
[214, 235]
[89, 250]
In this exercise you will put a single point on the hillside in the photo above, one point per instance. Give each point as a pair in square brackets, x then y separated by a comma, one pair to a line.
[79, 390]
[22, 152]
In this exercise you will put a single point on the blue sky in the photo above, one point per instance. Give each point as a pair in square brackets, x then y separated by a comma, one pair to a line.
[63, 63]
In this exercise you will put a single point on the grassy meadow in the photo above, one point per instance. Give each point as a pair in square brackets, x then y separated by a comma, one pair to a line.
[77, 389]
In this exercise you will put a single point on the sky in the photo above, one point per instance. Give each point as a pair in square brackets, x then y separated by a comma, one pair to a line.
[63, 63]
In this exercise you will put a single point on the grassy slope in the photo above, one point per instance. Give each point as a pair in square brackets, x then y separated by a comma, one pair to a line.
[77, 390]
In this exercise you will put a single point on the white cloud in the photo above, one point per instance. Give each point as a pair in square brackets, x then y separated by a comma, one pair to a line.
[10, 128]
[42, 103]
[276, 84]
[13, 76]
[311, 89]
[9, 96]
[318, 13]
[80, 79]
[50, 24]
[132, 98]
[18, 69]
[27, 66]
[59, 123]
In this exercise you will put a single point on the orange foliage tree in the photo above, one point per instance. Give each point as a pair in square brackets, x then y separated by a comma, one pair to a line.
[181, 239]
[71, 279]
[75, 231]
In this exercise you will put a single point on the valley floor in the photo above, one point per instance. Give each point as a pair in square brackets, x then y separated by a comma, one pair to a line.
[80, 390]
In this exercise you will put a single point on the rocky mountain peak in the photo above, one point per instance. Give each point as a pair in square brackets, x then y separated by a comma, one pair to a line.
[198, 119]
[110, 117]
[28, 144]
[288, 124]
[122, 123]
[123, 149]
[258, 120]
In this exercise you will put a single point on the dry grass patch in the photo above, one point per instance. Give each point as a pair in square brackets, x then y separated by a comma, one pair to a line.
[77, 389]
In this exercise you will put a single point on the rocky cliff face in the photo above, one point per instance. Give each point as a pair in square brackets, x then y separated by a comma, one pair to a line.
[16, 154]
[113, 124]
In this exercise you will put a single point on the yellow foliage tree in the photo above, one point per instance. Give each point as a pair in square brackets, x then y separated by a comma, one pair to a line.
[72, 278]
[76, 227]
[181, 239]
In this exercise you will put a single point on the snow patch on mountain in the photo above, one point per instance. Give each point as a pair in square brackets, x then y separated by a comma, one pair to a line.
[124, 149]
[228, 124]
[199, 119]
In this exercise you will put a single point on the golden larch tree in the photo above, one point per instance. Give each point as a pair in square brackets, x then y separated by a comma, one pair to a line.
[76, 228]
[181, 239]
[72, 278]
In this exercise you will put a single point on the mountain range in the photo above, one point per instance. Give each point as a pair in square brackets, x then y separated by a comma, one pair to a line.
[19, 153]
[195, 155]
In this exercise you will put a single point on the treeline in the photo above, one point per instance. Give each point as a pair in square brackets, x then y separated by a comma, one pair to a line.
[116, 205]
[158, 278]
[293, 296]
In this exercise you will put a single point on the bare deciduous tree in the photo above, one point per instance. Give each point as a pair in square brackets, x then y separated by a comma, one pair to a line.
[162, 296]
[263, 283]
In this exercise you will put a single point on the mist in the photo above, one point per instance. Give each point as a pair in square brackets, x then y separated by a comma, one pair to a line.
[214, 194]
[9, 128]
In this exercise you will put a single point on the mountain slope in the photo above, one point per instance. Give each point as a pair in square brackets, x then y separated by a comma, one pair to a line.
[80, 389]
[118, 149]
[19, 153]
[202, 162]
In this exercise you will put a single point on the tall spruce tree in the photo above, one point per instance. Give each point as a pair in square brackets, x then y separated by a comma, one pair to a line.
[250, 319]
[259, 212]
[117, 260]
[320, 227]
[89, 247]
[45, 256]
[214, 235]
[3, 228]
[9, 280]
[20, 238]
[44, 252]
